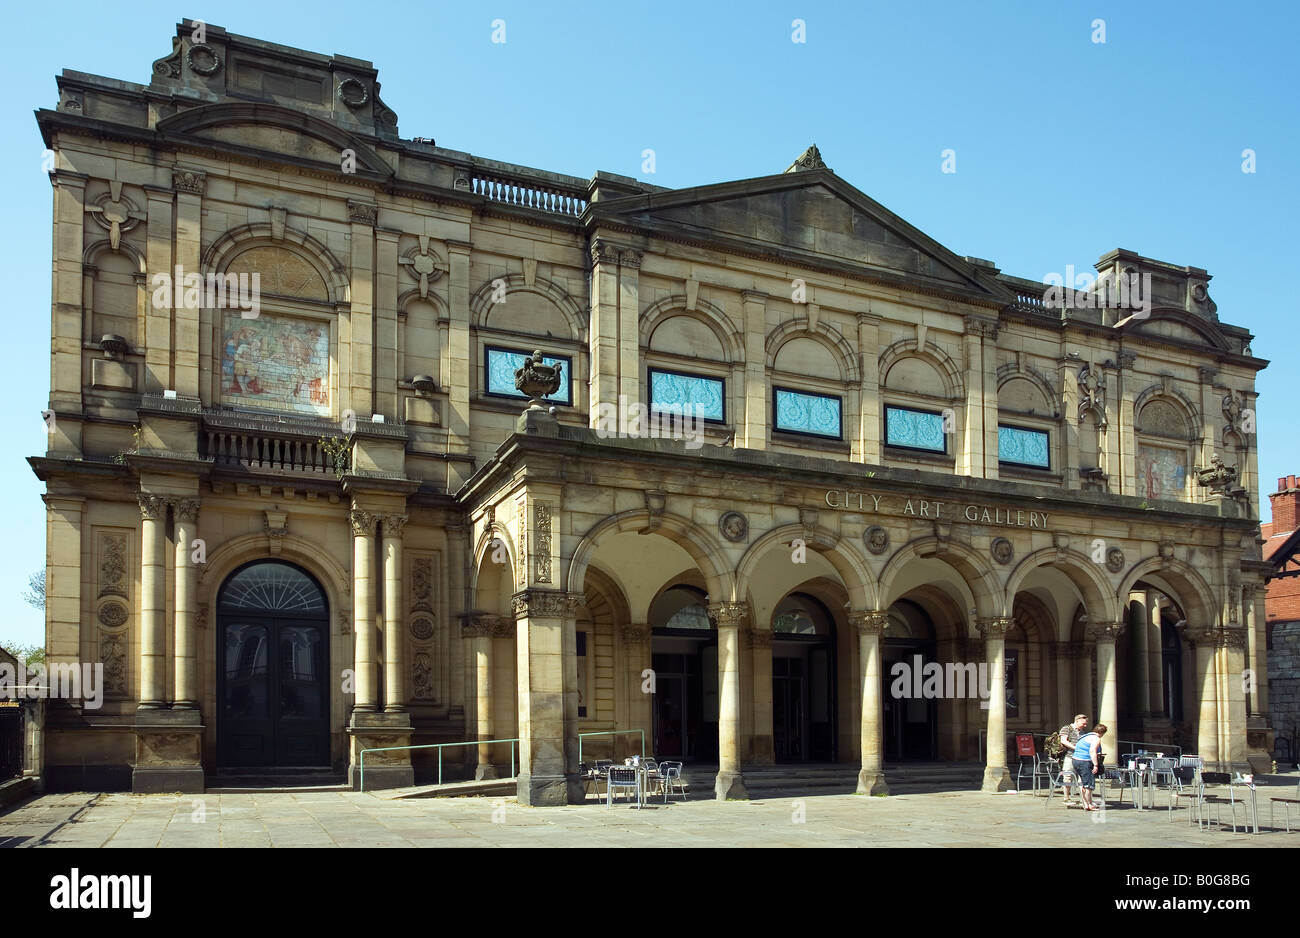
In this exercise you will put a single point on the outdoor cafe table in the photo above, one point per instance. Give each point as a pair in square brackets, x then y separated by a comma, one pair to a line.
[644, 776]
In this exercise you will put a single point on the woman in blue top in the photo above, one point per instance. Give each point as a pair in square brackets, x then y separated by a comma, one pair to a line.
[1087, 761]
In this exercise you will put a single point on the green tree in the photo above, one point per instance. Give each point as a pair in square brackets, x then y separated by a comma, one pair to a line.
[35, 594]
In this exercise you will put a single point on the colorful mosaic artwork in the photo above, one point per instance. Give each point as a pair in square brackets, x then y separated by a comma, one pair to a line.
[276, 363]
[1161, 472]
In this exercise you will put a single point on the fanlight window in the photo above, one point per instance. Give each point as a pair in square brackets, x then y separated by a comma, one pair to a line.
[800, 615]
[272, 587]
[680, 607]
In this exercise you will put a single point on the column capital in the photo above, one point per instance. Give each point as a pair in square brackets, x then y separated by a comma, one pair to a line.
[1232, 638]
[152, 507]
[995, 626]
[1074, 650]
[758, 638]
[190, 181]
[728, 614]
[186, 509]
[635, 634]
[546, 604]
[363, 522]
[869, 622]
[393, 524]
[1103, 631]
[602, 252]
[363, 213]
[630, 259]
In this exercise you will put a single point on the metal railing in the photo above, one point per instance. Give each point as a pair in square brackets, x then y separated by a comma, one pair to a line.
[440, 747]
[641, 733]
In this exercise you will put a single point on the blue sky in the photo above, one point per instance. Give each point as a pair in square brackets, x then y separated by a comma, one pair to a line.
[1065, 148]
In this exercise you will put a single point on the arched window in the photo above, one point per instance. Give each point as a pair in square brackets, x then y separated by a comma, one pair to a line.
[1162, 450]
[800, 614]
[680, 607]
[272, 587]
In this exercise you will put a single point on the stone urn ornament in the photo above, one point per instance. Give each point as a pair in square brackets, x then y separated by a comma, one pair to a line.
[537, 380]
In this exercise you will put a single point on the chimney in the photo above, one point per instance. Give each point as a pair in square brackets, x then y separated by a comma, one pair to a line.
[1286, 505]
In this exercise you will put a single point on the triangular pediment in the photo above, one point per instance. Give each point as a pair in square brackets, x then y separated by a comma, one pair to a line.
[813, 214]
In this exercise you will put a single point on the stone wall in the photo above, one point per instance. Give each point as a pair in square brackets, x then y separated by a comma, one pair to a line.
[1284, 688]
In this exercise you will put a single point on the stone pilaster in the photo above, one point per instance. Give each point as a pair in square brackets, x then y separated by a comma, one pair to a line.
[363, 216]
[603, 333]
[457, 363]
[68, 331]
[868, 431]
[544, 776]
[386, 359]
[759, 644]
[870, 626]
[185, 513]
[755, 418]
[479, 629]
[629, 317]
[189, 185]
[636, 653]
[363, 610]
[157, 338]
[1206, 683]
[996, 775]
[153, 604]
[394, 619]
[729, 617]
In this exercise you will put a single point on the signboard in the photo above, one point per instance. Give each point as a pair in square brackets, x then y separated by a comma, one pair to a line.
[1024, 744]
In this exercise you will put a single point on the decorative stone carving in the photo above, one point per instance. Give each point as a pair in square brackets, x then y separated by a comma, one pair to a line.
[1234, 409]
[984, 328]
[152, 507]
[422, 676]
[500, 626]
[112, 654]
[1061, 541]
[422, 628]
[602, 252]
[635, 634]
[1218, 478]
[521, 515]
[537, 379]
[1126, 360]
[654, 505]
[872, 622]
[203, 59]
[112, 614]
[1114, 560]
[363, 213]
[113, 562]
[728, 614]
[630, 259]
[169, 66]
[115, 213]
[1002, 550]
[191, 181]
[201, 620]
[734, 526]
[758, 638]
[808, 518]
[423, 264]
[1233, 638]
[385, 116]
[995, 626]
[810, 158]
[545, 604]
[542, 553]
[186, 509]
[393, 524]
[363, 522]
[1103, 631]
[876, 538]
[421, 584]
[1092, 395]
[352, 93]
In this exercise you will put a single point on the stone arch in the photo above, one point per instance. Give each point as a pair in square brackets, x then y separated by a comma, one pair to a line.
[259, 234]
[695, 540]
[1175, 397]
[954, 385]
[852, 568]
[834, 341]
[1079, 569]
[483, 547]
[712, 316]
[412, 295]
[1011, 372]
[480, 303]
[1186, 586]
[974, 570]
[96, 248]
[1208, 332]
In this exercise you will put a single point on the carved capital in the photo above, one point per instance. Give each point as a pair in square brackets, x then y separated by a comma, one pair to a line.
[758, 638]
[1233, 638]
[635, 634]
[546, 604]
[393, 524]
[363, 522]
[188, 180]
[871, 622]
[186, 509]
[728, 615]
[602, 252]
[630, 259]
[995, 626]
[363, 213]
[1104, 631]
[985, 328]
[153, 507]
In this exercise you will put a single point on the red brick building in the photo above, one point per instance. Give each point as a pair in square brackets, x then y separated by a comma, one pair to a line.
[1282, 616]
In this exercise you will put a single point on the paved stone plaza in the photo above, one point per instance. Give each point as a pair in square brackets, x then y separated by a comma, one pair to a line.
[349, 819]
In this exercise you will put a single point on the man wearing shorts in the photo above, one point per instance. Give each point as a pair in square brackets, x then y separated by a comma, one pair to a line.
[1069, 739]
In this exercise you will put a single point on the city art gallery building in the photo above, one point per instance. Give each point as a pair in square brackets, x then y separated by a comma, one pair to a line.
[322, 523]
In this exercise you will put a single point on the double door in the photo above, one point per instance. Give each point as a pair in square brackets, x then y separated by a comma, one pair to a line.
[273, 693]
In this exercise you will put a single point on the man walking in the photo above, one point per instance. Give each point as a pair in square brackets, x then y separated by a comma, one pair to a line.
[1069, 739]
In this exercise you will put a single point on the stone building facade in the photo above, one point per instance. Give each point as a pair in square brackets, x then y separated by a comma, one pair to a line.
[319, 520]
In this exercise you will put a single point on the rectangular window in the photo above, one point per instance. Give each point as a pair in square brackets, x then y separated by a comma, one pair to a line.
[802, 412]
[1023, 447]
[500, 364]
[915, 429]
[673, 392]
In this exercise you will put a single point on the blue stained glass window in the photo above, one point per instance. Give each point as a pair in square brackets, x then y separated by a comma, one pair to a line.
[1024, 447]
[503, 363]
[675, 393]
[800, 412]
[915, 429]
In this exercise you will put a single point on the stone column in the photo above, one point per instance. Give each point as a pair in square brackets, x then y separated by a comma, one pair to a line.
[1066, 704]
[459, 365]
[68, 331]
[363, 611]
[997, 777]
[153, 640]
[189, 186]
[1234, 654]
[185, 511]
[759, 642]
[756, 393]
[970, 453]
[539, 621]
[603, 331]
[363, 216]
[871, 625]
[869, 429]
[157, 339]
[1207, 690]
[730, 783]
[1255, 656]
[479, 631]
[1105, 634]
[629, 333]
[458, 667]
[1156, 650]
[1136, 613]
[394, 619]
[636, 652]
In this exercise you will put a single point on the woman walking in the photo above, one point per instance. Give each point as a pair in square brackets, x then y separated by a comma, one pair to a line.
[1087, 762]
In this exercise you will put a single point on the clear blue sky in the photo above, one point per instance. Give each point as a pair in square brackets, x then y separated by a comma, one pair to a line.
[1065, 148]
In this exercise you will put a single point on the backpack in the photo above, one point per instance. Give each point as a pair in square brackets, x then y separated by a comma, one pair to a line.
[1052, 745]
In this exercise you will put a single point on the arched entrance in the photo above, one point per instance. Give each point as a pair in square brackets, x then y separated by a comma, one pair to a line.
[272, 669]
[910, 719]
[803, 681]
[684, 656]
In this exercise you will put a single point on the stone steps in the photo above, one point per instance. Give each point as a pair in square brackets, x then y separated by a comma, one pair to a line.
[280, 780]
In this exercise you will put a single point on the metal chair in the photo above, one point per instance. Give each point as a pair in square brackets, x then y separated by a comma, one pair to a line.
[1286, 803]
[671, 775]
[1057, 779]
[653, 779]
[624, 777]
[1224, 779]
[1189, 785]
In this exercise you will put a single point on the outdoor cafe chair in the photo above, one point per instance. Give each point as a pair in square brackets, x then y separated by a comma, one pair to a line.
[623, 777]
[1189, 785]
[670, 774]
[1235, 798]
[1286, 804]
[1056, 780]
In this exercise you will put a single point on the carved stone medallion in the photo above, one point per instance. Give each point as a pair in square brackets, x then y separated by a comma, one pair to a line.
[876, 538]
[1002, 550]
[1114, 560]
[734, 526]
